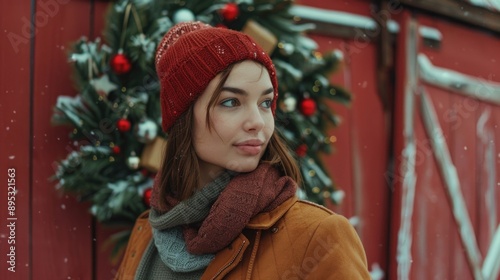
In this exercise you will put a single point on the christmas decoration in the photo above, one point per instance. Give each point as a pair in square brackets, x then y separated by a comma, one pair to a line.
[151, 157]
[289, 104]
[262, 36]
[308, 107]
[286, 48]
[133, 161]
[146, 197]
[146, 131]
[123, 125]
[338, 196]
[116, 149]
[116, 114]
[230, 11]
[301, 150]
[120, 64]
[103, 85]
[183, 15]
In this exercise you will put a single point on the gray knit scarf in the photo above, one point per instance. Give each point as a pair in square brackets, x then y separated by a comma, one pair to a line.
[168, 237]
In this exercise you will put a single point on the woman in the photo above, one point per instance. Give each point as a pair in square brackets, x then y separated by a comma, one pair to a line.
[224, 204]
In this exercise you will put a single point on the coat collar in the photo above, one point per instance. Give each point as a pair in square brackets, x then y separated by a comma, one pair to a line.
[268, 219]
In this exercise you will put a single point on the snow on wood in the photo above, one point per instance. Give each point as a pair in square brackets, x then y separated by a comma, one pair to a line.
[452, 185]
[458, 82]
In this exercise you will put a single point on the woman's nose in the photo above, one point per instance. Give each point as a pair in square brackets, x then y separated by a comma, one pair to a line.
[254, 119]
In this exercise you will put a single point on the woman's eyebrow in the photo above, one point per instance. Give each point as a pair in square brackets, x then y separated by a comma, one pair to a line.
[243, 92]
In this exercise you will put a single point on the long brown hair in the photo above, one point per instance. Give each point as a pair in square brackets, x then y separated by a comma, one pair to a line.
[180, 172]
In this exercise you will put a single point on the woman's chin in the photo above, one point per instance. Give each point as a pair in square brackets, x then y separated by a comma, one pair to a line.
[242, 167]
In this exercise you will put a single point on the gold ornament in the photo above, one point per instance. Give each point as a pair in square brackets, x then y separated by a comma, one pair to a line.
[152, 154]
[261, 35]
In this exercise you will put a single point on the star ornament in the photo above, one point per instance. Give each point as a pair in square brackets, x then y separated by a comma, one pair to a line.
[103, 85]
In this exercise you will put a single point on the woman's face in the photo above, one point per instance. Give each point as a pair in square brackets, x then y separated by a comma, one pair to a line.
[241, 121]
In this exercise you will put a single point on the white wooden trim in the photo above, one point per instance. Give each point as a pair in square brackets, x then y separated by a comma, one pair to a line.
[408, 158]
[491, 265]
[454, 81]
[354, 21]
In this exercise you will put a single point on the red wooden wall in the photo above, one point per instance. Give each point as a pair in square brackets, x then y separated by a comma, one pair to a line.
[470, 132]
[55, 236]
[361, 155]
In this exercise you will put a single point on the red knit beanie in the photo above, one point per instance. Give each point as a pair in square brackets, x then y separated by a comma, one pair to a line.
[191, 54]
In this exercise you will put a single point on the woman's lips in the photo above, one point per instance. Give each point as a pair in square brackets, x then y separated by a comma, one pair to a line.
[251, 147]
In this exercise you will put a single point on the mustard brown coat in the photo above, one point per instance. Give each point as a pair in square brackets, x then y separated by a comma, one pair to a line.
[297, 240]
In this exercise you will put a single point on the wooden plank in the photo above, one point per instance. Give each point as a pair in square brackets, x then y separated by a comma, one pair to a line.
[463, 151]
[461, 135]
[459, 10]
[61, 239]
[370, 154]
[448, 172]
[488, 173]
[433, 222]
[402, 174]
[15, 162]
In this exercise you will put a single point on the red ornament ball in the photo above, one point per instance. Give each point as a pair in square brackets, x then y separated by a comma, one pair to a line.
[116, 149]
[308, 107]
[120, 64]
[301, 150]
[146, 197]
[144, 172]
[123, 125]
[230, 11]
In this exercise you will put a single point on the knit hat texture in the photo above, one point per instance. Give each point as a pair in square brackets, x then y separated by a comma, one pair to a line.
[191, 54]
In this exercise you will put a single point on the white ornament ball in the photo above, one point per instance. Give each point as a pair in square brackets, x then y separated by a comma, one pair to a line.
[338, 196]
[146, 131]
[133, 162]
[290, 104]
[287, 49]
[183, 15]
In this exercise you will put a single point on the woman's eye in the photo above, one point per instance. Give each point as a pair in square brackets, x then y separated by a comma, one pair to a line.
[230, 103]
[267, 103]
